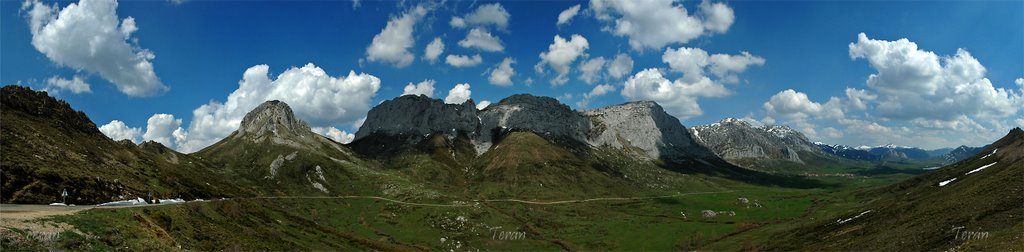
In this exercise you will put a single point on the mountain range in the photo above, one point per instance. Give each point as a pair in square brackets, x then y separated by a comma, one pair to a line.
[410, 142]
[408, 146]
[426, 168]
[896, 153]
[773, 148]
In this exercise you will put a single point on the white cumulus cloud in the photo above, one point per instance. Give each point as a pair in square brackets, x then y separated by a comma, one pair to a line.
[725, 66]
[76, 84]
[334, 134]
[694, 63]
[859, 98]
[489, 14]
[88, 36]
[560, 56]
[162, 128]
[392, 44]
[433, 50]
[621, 66]
[717, 16]
[792, 104]
[502, 73]
[483, 104]
[598, 90]
[463, 60]
[482, 39]
[458, 94]
[653, 24]
[457, 22]
[679, 98]
[566, 15]
[316, 97]
[117, 130]
[689, 61]
[425, 87]
[911, 83]
[591, 70]
[916, 97]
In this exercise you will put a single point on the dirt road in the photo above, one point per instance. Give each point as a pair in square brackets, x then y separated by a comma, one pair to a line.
[21, 216]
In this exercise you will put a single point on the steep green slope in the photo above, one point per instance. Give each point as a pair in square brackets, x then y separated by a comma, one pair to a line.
[274, 154]
[524, 164]
[974, 204]
[49, 147]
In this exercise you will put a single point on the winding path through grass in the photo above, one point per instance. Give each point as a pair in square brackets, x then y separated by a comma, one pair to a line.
[494, 200]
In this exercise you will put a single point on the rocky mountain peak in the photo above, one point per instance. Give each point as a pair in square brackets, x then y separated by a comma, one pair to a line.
[643, 125]
[733, 120]
[39, 104]
[272, 117]
[407, 120]
[781, 131]
[419, 115]
[736, 139]
[542, 115]
[154, 146]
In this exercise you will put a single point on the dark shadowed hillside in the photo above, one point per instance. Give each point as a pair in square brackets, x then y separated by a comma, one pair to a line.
[49, 147]
[971, 205]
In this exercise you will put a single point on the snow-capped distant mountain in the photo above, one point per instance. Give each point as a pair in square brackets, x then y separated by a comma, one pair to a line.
[741, 142]
[961, 153]
[891, 151]
[848, 152]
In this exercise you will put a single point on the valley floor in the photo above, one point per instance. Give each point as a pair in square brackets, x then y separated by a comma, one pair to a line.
[736, 218]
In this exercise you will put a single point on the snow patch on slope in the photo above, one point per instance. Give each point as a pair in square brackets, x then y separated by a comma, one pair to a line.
[990, 154]
[841, 221]
[944, 183]
[981, 168]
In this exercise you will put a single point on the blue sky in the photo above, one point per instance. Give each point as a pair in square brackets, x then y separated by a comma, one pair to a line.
[203, 48]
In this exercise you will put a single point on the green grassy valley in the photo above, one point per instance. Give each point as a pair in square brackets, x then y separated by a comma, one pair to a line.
[669, 222]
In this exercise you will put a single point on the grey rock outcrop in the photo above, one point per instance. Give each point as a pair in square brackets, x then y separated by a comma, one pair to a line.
[542, 115]
[643, 125]
[272, 117]
[407, 120]
[419, 115]
[733, 139]
[275, 121]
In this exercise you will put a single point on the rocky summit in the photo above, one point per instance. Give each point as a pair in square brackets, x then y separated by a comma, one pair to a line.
[740, 142]
[542, 115]
[271, 117]
[419, 115]
[644, 125]
[464, 177]
[409, 119]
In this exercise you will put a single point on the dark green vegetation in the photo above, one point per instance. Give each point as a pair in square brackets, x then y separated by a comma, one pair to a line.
[48, 147]
[933, 211]
[290, 189]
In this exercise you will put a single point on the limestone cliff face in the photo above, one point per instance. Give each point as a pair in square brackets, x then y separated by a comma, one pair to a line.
[734, 139]
[275, 121]
[271, 117]
[408, 120]
[643, 125]
[544, 116]
[419, 115]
